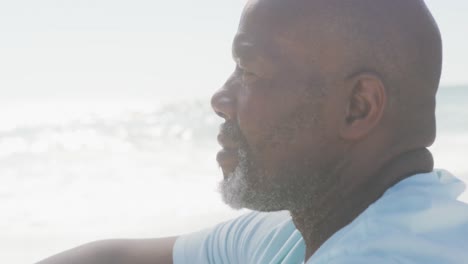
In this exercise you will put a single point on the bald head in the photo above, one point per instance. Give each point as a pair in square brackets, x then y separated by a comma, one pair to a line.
[325, 93]
[398, 41]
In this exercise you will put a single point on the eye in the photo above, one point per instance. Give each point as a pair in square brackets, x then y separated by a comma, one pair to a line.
[246, 75]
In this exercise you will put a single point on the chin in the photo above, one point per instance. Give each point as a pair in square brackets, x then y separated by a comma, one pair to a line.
[240, 191]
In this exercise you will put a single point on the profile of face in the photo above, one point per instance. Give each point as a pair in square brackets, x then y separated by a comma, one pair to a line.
[310, 109]
[278, 133]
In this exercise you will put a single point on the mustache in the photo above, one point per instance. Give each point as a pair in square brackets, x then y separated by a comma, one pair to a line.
[232, 131]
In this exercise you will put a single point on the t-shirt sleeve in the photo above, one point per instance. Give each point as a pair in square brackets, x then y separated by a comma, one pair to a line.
[236, 241]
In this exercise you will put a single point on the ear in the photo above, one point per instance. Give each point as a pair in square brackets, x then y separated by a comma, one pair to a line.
[366, 103]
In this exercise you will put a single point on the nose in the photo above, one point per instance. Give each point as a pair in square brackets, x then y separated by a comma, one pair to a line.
[223, 102]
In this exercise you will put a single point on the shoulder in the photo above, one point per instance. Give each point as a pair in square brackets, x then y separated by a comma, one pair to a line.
[248, 237]
[419, 220]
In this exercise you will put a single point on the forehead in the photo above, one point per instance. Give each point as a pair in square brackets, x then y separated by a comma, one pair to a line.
[268, 30]
[255, 34]
[264, 20]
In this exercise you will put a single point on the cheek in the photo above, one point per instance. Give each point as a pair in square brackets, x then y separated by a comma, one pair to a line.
[260, 109]
[278, 124]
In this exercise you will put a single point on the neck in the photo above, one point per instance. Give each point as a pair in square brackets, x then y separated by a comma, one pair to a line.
[355, 192]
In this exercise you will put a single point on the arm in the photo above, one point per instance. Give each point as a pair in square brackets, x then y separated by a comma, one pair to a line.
[122, 251]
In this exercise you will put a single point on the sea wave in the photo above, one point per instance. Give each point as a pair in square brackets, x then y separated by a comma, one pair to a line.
[150, 130]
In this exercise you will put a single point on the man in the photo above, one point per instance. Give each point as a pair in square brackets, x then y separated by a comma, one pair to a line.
[328, 116]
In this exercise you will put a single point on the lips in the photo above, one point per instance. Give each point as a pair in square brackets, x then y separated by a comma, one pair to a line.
[229, 139]
[228, 159]
[227, 142]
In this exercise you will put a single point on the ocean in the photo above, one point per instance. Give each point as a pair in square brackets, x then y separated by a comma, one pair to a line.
[76, 172]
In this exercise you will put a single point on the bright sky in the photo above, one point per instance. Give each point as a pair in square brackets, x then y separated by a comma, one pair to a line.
[145, 50]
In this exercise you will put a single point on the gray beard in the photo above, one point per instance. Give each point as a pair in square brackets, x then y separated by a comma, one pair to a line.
[297, 186]
[240, 191]
[254, 189]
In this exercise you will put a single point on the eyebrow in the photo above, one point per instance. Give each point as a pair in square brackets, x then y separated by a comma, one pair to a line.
[248, 53]
[242, 48]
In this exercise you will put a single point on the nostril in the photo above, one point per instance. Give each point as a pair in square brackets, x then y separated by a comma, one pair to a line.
[222, 115]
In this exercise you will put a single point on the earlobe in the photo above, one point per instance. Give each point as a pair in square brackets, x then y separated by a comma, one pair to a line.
[365, 106]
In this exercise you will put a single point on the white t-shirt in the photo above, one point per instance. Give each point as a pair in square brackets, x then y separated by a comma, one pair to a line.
[419, 220]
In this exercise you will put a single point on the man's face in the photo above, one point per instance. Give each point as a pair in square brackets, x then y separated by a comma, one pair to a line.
[276, 141]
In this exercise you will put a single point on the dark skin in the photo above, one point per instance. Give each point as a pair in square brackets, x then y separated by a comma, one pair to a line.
[118, 251]
[344, 88]
[316, 231]
[370, 143]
